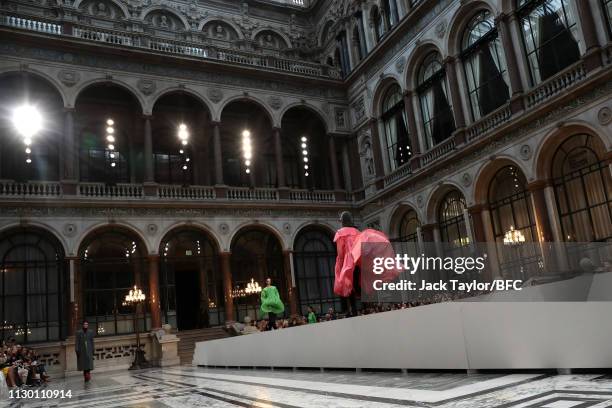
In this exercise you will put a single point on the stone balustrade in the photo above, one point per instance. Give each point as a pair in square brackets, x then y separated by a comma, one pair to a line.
[398, 174]
[252, 194]
[312, 196]
[556, 85]
[104, 191]
[42, 189]
[174, 192]
[438, 151]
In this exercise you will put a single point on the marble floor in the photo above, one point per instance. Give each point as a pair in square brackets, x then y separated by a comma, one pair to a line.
[185, 387]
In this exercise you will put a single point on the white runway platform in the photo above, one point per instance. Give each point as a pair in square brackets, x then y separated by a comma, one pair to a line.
[489, 334]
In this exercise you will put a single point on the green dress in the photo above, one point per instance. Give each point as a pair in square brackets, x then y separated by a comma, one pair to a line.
[270, 301]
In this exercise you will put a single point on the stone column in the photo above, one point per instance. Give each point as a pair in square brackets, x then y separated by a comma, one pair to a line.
[74, 312]
[411, 125]
[278, 150]
[379, 165]
[589, 32]
[540, 211]
[334, 162]
[227, 285]
[346, 167]
[217, 153]
[455, 92]
[503, 22]
[367, 34]
[154, 298]
[477, 223]
[290, 283]
[70, 156]
[149, 174]
[384, 17]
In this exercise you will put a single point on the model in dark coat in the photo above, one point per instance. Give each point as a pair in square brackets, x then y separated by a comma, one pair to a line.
[84, 347]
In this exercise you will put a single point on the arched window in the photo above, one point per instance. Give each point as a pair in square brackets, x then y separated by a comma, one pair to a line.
[112, 262]
[377, 21]
[396, 133]
[510, 208]
[484, 65]
[550, 36]
[256, 254]
[31, 286]
[342, 49]
[607, 6]
[436, 110]
[451, 220]
[191, 290]
[583, 189]
[391, 13]
[408, 227]
[314, 257]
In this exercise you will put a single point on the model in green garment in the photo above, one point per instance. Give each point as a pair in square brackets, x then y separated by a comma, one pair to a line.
[271, 303]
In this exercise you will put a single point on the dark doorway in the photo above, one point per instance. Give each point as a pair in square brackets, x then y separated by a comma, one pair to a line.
[187, 296]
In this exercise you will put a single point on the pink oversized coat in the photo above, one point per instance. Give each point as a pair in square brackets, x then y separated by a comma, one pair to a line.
[345, 240]
[380, 247]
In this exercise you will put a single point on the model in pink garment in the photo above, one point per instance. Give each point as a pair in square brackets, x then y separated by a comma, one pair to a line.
[371, 244]
[346, 279]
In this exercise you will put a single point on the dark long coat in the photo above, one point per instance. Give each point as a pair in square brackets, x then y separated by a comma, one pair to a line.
[84, 347]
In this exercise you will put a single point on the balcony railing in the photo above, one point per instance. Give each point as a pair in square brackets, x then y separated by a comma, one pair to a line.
[252, 194]
[489, 122]
[556, 85]
[398, 174]
[30, 189]
[101, 190]
[31, 24]
[192, 49]
[312, 196]
[438, 151]
[186, 192]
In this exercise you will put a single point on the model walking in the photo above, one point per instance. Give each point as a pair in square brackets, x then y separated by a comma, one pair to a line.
[84, 347]
[271, 303]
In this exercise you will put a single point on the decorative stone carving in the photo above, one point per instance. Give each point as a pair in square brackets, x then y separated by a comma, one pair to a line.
[441, 29]
[400, 64]
[367, 160]
[146, 86]
[224, 228]
[359, 109]
[275, 102]
[420, 201]
[604, 115]
[466, 179]
[69, 78]
[287, 228]
[70, 230]
[215, 95]
[340, 115]
[152, 229]
[525, 152]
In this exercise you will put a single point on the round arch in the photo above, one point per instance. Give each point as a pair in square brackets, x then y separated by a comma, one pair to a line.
[436, 195]
[324, 33]
[314, 109]
[309, 224]
[102, 227]
[379, 92]
[397, 214]
[251, 99]
[460, 19]
[183, 226]
[545, 151]
[177, 90]
[102, 81]
[261, 226]
[124, 9]
[487, 172]
[166, 9]
[41, 227]
[282, 35]
[42, 76]
[230, 23]
[415, 60]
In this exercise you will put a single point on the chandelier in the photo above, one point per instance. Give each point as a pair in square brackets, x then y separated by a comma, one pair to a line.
[134, 296]
[238, 292]
[253, 287]
[513, 237]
